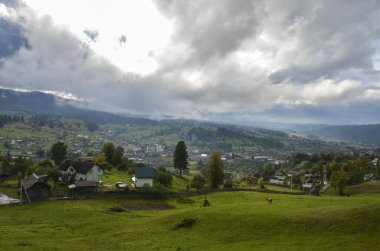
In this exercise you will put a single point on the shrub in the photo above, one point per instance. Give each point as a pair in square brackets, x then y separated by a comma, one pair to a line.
[198, 182]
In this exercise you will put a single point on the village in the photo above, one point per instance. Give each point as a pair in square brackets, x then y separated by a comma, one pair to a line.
[152, 169]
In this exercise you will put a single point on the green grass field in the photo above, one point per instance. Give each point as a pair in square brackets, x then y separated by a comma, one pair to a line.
[367, 187]
[234, 221]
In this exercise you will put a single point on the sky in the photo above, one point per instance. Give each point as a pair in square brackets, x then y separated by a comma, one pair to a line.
[288, 61]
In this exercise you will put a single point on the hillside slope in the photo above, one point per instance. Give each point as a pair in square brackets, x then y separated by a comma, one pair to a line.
[234, 221]
[366, 134]
[50, 104]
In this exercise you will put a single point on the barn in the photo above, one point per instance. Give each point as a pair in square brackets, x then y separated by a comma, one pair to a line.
[36, 187]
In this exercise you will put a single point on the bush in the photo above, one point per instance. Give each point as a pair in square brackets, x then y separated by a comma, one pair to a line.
[163, 177]
[198, 182]
[261, 183]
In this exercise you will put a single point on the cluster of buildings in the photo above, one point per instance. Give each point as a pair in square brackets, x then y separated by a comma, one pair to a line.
[81, 177]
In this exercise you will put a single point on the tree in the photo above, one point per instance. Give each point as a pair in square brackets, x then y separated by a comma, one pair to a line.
[54, 174]
[378, 167]
[21, 167]
[45, 163]
[163, 177]
[261, 183]
[330, 168]
[108, 150]
[118, 156]
[180, 157]
[215, 170]
[198, 181]
[318, 168]
[100, 161]
[339, 179]
[267, 170]
[362, 162]
[58, 152]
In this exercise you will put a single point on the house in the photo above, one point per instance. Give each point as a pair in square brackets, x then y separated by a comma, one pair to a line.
[374, 161]
[84, 187]
[4, 174]
[144, 176]
[308, 183]
[80, 170]
[370, 177]
[277, 181]
[36, 187]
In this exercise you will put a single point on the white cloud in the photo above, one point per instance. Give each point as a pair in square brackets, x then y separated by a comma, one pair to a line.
[146, 29]
[190, 58]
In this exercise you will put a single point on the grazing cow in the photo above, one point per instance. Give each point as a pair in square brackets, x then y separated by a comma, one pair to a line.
[269, 200]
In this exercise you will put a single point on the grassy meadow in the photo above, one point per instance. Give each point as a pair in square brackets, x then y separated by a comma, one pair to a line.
[234, 221]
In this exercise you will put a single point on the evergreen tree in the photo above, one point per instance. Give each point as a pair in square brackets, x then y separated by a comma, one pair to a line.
[180, 157]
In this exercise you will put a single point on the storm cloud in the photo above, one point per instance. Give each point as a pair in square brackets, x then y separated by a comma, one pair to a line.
[11, 38]
[305, 60]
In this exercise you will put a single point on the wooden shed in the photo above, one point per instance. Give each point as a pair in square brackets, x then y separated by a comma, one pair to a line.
[36, 187]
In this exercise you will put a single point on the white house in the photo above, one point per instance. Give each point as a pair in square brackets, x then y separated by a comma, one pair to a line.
[80, 170]
[144, 176]
[278, 182]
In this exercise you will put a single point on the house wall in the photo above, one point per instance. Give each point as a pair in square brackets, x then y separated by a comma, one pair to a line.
[141, 181]
[277, 182]
[307, 185]
[39, 191]
[69, 173]
[94, 173]
[79, 176]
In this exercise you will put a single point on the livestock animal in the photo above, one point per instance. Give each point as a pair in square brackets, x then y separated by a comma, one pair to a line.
[269, 200]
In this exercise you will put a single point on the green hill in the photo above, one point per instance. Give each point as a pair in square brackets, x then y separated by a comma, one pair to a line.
[234, 221]
[365, 134]
[364, 188]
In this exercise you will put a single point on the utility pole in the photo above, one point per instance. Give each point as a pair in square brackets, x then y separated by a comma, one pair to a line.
[291, 183]
[20, 192]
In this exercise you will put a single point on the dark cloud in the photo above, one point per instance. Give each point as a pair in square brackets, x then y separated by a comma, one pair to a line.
[91, 34]
[9, 3]
[122, 39]
[11, 38]
[212, 28]
[329, 37]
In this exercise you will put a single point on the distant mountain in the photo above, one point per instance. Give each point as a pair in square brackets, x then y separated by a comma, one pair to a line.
[284, 126]
[50, 104]
[365, 134]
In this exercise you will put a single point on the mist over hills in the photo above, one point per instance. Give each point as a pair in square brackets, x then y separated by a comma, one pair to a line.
[364, 134]
[39, 102]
